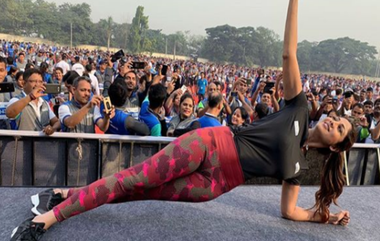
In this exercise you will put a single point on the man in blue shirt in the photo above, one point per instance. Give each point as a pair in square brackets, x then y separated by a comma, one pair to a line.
[202, 84]
[122, 123]
[215, 105]
[151, 108]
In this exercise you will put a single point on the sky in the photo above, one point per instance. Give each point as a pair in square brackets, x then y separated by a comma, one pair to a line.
[318, 19]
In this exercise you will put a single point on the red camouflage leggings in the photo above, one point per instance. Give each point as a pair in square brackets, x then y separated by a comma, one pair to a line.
[198, 166]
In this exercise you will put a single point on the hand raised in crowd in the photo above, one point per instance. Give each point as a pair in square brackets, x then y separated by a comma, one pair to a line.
[109, 62]
[178, 91]
[157, 79]
[225, 101]
[147, 69]
[170, 86]
[363, 122]
[38, 91]
[237, 82]
[310, 97]
[240, 96]
[48, 130]
[273, 91]
[327, 100]
[110, 114]
[95, 101]
[261, 86]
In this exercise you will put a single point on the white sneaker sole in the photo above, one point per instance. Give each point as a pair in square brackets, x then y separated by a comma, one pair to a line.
[35, 201]
[14, 231]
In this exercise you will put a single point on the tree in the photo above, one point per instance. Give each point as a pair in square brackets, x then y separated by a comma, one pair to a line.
[110, 26]
[305, 55]
[343, 55]
[120, 36]
[219, 43]
[138, 29]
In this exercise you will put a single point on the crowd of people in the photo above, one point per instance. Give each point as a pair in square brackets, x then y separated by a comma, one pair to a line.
[163, 97]
[267, 135]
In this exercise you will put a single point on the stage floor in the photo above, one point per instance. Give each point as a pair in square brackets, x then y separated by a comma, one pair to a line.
[246, 213]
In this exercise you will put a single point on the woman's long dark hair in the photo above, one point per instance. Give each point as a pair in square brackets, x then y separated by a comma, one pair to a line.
[332, 178]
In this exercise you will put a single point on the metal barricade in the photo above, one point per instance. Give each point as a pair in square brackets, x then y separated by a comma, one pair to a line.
[67, 159]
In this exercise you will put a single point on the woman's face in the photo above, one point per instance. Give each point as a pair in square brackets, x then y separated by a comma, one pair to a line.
[177, 100]
[333, 130]
[58, 75]
[186, 108]
[20, 81]
[237, 119]
[333, 114]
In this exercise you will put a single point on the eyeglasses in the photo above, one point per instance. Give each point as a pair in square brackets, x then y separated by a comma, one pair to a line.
[35, 81]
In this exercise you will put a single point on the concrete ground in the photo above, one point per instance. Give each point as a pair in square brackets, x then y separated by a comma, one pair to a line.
[246, 213]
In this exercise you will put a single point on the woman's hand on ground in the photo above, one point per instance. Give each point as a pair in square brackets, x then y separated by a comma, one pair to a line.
[340, 218]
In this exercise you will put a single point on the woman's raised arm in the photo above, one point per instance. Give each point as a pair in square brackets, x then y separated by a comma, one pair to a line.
[291, 72]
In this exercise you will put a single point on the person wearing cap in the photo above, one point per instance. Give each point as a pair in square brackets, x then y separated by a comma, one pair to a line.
[77, 66]
[101, 72]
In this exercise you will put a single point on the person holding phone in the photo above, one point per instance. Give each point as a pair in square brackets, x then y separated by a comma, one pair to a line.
[22, 109]
[208, 162]
[267, 93]
[82, 113]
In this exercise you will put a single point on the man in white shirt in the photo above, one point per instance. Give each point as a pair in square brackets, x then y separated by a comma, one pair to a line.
[63, 64]
[94, 81]
[77, 66]
[82, 113]
[29, 111]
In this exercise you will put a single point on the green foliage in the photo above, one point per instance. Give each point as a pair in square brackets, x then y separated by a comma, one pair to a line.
[244, 46]
[137, 37]
[343, 55]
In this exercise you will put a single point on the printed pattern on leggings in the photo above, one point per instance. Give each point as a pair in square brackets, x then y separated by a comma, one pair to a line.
[188, 169]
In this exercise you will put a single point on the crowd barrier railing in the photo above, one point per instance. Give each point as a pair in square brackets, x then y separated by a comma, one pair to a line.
[70, 159]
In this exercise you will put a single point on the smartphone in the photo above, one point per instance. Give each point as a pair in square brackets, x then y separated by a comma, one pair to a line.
[7, 87]
[138, 65]
[248, 81]
[184, 88]
[268, 87]
[164, 69]
[107, 104]
[53, 88]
